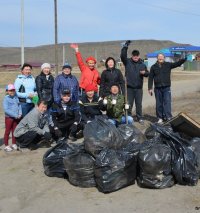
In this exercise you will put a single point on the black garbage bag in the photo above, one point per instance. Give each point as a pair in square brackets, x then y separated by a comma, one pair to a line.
[195, 143]
[154, 162]
[151, 133]
[114, 170]
[53, 158]
[184, 163]
[80, 169]
[130, 134]
[100, 134]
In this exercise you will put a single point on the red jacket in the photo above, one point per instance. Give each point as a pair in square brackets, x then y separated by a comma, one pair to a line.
[88, 76]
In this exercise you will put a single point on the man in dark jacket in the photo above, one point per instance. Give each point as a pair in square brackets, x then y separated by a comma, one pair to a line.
[109, 76]
[89, 105]
[66, 117]
[160, 74]
[44, 84]
[135, 71]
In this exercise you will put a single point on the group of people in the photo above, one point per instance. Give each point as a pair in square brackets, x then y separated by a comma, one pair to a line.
[44, 108]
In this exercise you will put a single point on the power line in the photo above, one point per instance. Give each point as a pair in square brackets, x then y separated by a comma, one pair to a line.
[166, 8]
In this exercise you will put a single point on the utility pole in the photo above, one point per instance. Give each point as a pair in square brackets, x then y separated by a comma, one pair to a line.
[95, 54]
[63, 54]
[22, 32]
[56, 36]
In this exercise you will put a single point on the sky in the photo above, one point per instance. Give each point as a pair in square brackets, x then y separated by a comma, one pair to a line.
[102, 20]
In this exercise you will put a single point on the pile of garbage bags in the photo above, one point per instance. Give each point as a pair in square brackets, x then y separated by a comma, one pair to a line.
[112, 158]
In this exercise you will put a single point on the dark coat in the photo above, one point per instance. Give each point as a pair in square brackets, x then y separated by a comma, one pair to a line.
[89, 109]
[132, 70]
[44, 87]
[161, 74]
[108, 77]
[62, 114]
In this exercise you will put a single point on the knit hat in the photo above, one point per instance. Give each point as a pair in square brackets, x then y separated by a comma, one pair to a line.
[89, 87]
[45, 65]
[66, 66]
[91, 58]
[10, 87]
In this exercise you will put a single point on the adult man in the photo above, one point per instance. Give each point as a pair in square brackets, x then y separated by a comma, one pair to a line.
[65, 81]
[89, 74]
[160, 74]
[135, 70]
[66, 117]
[114, 105]
[33, 127]
[25, 88]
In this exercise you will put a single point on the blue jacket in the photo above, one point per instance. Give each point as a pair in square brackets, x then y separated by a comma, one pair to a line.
[29, 83]
[63, 82]
[11, 106]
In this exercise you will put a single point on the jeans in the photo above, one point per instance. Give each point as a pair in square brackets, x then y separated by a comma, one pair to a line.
[26, 108]
[123, 120]
[135, 95]
[163, 102]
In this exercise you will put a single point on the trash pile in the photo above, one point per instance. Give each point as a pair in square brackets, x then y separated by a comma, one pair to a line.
[112, 158]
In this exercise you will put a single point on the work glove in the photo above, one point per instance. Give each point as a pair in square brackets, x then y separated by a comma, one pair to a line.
[100, 98]
[73, 128]
[127, 43]
[47, 136]
[126, 106]
[105, 101]
[58, 133]
[114, 102]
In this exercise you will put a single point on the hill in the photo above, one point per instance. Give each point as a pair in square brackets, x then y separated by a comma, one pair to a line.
[99, 49]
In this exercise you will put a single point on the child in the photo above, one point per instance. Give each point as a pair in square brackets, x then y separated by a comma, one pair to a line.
[114, 105]
[13, 113]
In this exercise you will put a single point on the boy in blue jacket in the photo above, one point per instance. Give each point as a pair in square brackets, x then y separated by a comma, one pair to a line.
[13, 113]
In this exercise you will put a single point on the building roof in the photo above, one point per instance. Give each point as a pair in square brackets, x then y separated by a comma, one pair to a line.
[185, 49]
[170, 51]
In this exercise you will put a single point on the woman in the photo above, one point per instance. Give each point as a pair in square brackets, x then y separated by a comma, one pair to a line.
[89, 73]
[25, 88]
[109, 76]
[44, 84]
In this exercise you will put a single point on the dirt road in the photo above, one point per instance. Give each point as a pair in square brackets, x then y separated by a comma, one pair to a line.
[25, 189]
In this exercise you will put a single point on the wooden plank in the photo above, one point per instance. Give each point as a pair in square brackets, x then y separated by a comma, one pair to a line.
[185, 124]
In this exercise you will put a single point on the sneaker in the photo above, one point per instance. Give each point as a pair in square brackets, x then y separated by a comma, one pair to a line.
[141, 121]
[14, 147]
[160, 121]
[8, 149]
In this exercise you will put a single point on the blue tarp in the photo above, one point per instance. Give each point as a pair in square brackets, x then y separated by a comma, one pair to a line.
[165, 51]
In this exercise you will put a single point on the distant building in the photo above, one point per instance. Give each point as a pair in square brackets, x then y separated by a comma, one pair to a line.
[174, 53]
